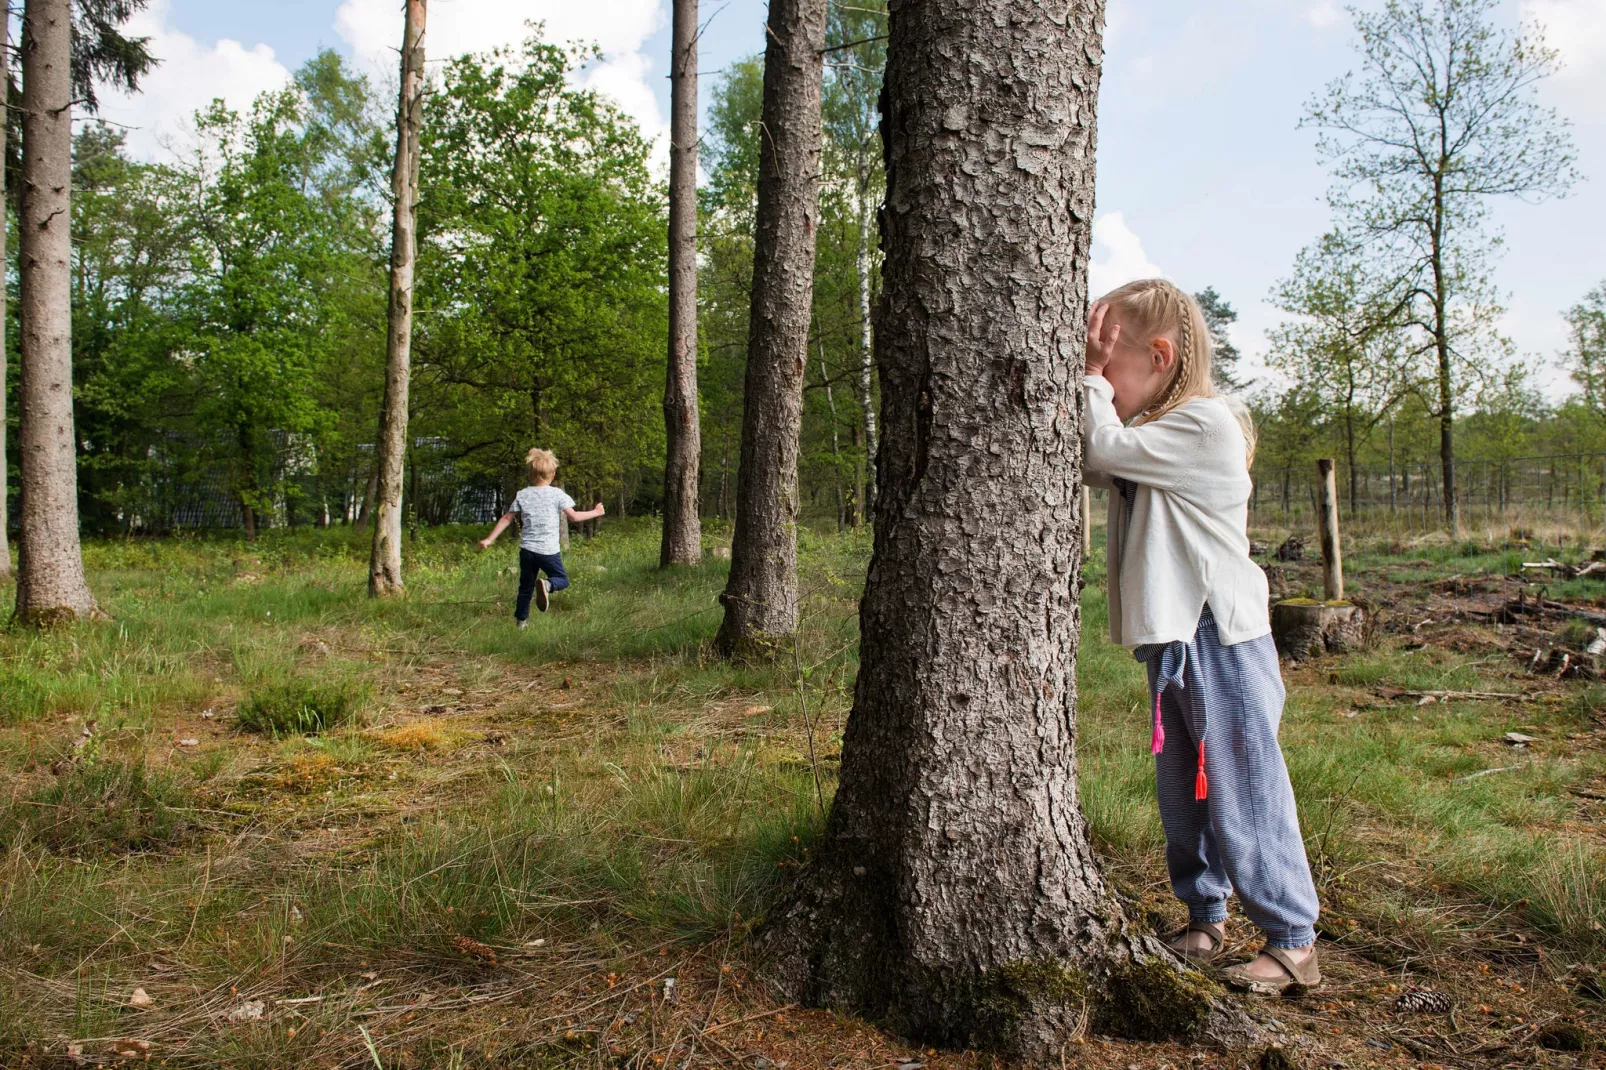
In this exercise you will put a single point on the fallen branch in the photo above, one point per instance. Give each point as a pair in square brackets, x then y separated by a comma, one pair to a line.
[750, 1018]
[1450, 696]
[1570, 572]
[1521, 607]
[1485, 772]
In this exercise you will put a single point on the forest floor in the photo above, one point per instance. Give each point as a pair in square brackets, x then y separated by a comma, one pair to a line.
[545, 848]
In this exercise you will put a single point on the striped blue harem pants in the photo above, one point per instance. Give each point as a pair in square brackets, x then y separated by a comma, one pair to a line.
[1243, 835]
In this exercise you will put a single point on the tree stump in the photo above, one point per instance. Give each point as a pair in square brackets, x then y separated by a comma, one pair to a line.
[1304, 627]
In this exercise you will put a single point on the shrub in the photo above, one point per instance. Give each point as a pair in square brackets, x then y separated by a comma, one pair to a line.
[299, 708]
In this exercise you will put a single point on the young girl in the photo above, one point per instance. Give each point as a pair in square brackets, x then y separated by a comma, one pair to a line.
[537, 507]
[1189, 603]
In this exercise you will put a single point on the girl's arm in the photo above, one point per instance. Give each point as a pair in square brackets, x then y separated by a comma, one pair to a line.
[1159, 454]
[590, 514]
[501, 526]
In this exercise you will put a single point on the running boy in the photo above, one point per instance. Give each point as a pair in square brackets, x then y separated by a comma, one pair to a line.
[1189, 603]
[537, 507]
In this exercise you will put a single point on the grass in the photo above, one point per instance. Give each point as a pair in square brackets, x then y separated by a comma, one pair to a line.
[427, 792]
[299, 707]
[102, 807]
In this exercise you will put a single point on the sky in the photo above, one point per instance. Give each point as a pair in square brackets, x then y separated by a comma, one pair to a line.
[1204, 174]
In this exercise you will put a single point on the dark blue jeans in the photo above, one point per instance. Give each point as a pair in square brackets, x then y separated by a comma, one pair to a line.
[531, 565]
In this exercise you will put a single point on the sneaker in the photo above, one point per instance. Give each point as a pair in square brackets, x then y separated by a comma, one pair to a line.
[523, 624]
[543, 595]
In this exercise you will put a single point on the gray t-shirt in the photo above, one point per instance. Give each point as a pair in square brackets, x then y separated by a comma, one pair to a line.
[537, 509]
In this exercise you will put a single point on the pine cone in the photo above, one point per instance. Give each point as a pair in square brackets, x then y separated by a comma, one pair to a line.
[1423, 1001]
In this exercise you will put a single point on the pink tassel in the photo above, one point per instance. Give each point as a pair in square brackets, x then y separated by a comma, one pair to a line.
[1201, 786]
[1157, 743]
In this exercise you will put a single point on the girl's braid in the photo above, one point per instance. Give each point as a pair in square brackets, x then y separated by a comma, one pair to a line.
[1185, 353]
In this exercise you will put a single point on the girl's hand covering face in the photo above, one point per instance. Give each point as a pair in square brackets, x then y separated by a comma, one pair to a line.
[1102, 335]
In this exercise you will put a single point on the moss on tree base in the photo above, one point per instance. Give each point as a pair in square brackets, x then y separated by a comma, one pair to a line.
[1150, 999]
[1022, 1007]
[50, 617]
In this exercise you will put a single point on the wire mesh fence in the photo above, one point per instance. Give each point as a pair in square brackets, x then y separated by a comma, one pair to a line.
[1499, 497]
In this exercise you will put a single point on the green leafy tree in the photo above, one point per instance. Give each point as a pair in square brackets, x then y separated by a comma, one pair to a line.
[130, 252]
[854, 187]
[541, 272]
[1344, 347]
[1442, 118]
[725, 239]
[279, 232]
[1586, 357]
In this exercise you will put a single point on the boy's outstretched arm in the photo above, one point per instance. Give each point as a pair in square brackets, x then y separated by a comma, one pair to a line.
[501, 526]
[590, 514]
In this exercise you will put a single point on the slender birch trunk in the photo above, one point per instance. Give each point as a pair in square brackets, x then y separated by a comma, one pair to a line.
[682, 536]
[866, 345]
[51, 587]
[385, 563]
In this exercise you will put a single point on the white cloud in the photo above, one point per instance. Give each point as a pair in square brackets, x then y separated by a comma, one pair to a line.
[1118, 255]
[190, 76]
[1577, 29]
[620, 28]
[1323, 16]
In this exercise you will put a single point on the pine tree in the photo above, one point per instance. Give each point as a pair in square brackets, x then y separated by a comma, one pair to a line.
[66, 48]
[955, 895]
[761, 595]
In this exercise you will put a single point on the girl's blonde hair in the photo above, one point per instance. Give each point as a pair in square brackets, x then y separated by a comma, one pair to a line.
[542, 463]
[1154, 307]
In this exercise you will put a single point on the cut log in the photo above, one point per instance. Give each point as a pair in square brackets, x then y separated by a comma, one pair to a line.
[1304, 627]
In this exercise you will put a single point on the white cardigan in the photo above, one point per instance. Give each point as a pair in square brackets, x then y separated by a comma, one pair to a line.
[1188, 542]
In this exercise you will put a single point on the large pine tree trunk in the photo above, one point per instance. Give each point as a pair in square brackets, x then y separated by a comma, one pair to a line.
[761, 595]
[5, 546]
[50, 582]
[956, 896]
[683, 538]
[385, 563]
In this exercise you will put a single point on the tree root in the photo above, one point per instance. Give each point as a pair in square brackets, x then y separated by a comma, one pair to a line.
[1126, 985]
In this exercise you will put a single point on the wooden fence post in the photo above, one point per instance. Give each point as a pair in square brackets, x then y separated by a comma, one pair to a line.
[1332, 557]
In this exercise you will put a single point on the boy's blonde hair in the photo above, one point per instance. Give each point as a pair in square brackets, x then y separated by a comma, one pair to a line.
[542, 463]
[1153, 308]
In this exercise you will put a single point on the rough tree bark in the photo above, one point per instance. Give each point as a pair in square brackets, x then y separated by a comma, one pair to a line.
[955, 895]
[683, 537]
[385, 563]
[5, 87]
[761, 595]
[50, 578]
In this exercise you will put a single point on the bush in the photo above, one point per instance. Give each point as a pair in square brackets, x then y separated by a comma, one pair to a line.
[102, 806]
[299, 708]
